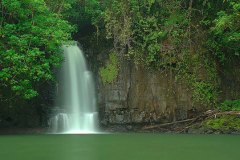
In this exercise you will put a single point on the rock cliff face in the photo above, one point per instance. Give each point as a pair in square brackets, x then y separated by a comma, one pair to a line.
[230, 83]
[139, 95]
[142, 96]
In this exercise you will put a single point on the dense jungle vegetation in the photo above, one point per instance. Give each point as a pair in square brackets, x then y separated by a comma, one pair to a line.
[194, 41]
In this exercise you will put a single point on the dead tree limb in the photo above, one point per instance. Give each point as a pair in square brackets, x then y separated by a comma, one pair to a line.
[168, 124]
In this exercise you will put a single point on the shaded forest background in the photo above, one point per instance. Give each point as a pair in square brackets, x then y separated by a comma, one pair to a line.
[194, 41]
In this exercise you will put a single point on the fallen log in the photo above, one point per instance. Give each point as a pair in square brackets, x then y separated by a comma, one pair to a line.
[167, 124]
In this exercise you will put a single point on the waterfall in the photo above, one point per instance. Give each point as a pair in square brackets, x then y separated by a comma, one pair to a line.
[75, 95]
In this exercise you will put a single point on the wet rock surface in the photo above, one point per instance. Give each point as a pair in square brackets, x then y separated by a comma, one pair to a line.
[142, 96]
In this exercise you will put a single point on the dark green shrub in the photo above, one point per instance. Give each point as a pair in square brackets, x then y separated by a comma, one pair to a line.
[230, 105]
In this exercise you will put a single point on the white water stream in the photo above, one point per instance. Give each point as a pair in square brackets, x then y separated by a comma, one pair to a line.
[75, 95]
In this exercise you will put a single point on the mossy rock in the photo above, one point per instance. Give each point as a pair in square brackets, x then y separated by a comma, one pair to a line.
[223, 123]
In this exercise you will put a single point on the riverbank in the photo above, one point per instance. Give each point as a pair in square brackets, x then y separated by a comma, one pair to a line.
[210, 122]
[22, 131]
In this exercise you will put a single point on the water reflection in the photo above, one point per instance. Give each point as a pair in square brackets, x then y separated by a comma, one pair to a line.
[120, 147]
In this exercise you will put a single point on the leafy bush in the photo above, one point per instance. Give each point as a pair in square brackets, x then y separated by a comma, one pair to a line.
[225, 33]
[228, 105]
[223, 123]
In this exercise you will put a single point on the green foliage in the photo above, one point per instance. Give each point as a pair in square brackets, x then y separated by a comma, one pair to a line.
[30, 36]
[230, 105]
[225, 33]
[144, 29]
[168, 34]
[59, 6]
[110, 72]
[81, 13]
[204, 93]
[154, 24]
[200, 74]
[223, 123]
[118, 23]
[158, 35]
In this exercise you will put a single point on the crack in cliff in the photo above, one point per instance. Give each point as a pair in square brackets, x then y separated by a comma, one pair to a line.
[129, 85]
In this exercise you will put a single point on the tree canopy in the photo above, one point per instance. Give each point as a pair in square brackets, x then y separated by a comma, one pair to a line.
[30, 40]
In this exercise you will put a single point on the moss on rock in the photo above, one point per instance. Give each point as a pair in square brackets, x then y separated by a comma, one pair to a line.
[110, 71]
[227, 122]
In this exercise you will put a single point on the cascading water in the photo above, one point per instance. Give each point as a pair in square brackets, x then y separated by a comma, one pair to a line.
[75, 95]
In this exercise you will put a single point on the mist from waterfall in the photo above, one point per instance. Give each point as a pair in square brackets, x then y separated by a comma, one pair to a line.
[75, 95]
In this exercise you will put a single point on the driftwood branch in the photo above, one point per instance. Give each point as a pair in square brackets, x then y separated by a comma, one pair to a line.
[168, 124]
[217, 114]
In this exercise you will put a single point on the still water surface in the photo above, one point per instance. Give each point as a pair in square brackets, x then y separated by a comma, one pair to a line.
[120, 147]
